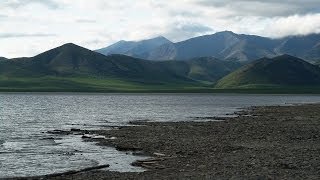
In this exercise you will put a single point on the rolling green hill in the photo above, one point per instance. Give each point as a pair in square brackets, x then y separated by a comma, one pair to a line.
[279, 72]
[73, 68]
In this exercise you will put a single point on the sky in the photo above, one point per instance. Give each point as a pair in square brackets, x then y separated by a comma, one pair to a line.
[29, 27]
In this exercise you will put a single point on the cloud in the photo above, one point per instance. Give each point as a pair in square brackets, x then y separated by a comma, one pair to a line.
[293, 25]
[21, 3]
[22, 35]
[265, 8]
[184, 13]
[2, 16]
[86, 21]
[38, 25]
[181, 31]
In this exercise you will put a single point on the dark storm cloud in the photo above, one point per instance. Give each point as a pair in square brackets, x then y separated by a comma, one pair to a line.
[20, 3]
[267, 8]
[20, 35]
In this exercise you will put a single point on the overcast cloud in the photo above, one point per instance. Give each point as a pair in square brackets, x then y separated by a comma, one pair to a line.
[29, 27]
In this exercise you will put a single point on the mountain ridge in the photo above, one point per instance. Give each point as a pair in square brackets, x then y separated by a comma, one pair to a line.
[134, 48]
[73, 60]
[73, 68]
[227, 45]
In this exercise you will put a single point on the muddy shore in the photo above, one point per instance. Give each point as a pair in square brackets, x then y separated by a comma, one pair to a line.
[278, 142]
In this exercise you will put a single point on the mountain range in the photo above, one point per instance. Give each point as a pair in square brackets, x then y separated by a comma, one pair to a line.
[224, 45]
[74, 68]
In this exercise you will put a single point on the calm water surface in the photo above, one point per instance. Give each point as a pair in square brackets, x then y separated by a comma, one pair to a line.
[25, 150]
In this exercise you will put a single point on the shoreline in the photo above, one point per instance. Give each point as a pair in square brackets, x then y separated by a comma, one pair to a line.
[196, 90]
[268, 142]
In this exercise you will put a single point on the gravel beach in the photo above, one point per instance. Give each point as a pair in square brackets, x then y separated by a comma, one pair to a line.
[276, 142]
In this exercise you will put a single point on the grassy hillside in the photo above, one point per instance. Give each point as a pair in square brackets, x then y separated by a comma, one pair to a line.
[210, 69]
[283, 71]
[90, 84]
[73, 68]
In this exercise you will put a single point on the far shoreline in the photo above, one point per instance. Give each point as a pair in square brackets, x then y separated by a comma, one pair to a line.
[315, 91]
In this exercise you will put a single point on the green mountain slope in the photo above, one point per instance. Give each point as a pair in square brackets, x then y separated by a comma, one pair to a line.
[281, 71]
[210, 69]
[71, 67]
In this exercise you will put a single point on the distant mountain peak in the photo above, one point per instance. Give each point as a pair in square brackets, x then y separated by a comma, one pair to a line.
[70, 45]
[283, 56]
[161, 37]
[287, 57]
[226, 32]
[136, 49]
[121, 41]
[225, 45]
[157, 38]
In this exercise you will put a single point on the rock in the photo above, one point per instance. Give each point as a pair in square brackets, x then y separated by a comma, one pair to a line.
[151, 163]
[138, 153]
[124, 148]
[61, 132]
[75, 130]
[158, 154]
[86, 136]
[69, 154]
[99, 137]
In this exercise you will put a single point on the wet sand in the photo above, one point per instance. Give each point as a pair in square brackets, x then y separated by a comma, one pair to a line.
[278, 142]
